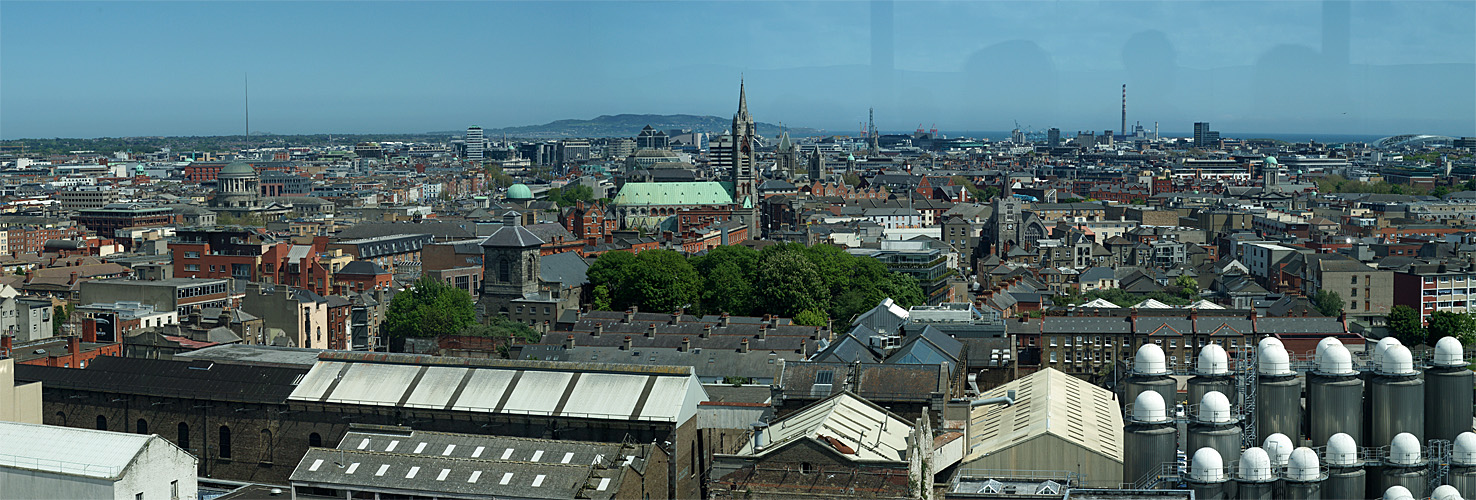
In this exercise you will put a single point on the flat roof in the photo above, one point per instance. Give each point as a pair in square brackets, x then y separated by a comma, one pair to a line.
[69, 450]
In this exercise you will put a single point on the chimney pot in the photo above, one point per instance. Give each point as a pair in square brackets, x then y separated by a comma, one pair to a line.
[626, 345]
[74, 345]
[651, 330]
[598, 329]
[686, 344]
[569, 342]
[763, 331]
[743, 346]
[706, 331]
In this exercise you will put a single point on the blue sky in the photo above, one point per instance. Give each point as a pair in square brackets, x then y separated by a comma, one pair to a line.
[175, 68]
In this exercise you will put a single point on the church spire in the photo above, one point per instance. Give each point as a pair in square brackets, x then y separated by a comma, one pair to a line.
[742, 100]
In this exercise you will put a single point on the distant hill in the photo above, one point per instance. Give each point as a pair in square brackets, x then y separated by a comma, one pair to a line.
[628, 125]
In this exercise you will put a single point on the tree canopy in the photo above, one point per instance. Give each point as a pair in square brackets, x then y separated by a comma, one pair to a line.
[1443, 324]
[1404, 324]
[429, 308]
[814, 284]
[571, 194]
[1328, 303]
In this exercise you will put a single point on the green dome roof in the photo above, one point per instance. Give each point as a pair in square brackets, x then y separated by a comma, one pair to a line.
[519, 192]
[1272, 160]
[238, 168]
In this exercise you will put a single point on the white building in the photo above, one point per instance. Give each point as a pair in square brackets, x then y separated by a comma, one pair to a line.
[474, 143]
[43, 461]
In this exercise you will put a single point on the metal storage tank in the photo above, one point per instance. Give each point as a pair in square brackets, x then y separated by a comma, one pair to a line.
[1215, 426]
[1212, 373]
[1334, 394]
[1278, 448]
[1445, 492]
[1278, 394]
[1207, 476]
[1462, 473]
[1448, 398]
[1397, 398]
[1303, 477]
[1254, 480]
[1345, 475]
[1398, 493]
[1151, 373]
[1149, 439]
[1405, 466]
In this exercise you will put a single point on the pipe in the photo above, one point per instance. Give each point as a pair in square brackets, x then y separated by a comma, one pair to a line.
[1008, 400]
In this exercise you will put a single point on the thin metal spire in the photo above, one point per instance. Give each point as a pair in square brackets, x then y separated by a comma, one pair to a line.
[246, 79]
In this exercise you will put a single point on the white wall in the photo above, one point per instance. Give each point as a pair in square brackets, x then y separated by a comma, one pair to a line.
[160, 464]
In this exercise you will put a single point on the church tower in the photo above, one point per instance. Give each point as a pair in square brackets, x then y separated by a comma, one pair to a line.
[510, 260]
[786, 156]
[745, 193]
[817, 166]
[1006, 220]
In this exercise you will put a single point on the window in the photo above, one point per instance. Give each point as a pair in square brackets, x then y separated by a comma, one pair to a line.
[1353, 292]
[192, 267]
[142, 426]
[1355, 305]
[192, 255]
[102, 423]
[225, 442]
[1355, 279]
[315, 440]
[174, 490]
[184, 435]
[266, 446]
[1053, 341]
[1173, 343]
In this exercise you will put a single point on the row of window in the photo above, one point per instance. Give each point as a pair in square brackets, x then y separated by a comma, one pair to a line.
[222, 443]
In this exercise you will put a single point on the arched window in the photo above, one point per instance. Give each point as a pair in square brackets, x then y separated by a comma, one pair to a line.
[102, 423]
[315, 440]
[504, 270]
[266, 446]
[225, 442]
[142, 427]
[61, 419]
[184, 435]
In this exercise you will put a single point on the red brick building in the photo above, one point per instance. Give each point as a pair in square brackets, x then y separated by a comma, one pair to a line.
[59, 352]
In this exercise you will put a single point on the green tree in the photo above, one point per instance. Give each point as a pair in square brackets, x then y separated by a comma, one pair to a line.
[811, 317]
[1440, 191]
[1329, 303]
[501, 326]
[787, 283]
[665, 281]
[570, 195]
[1443, 324]
[727, 279]
[1404, 324]
[616, 272]
[60, 316]
[429, 308]
[1186, 286]
[601, 299]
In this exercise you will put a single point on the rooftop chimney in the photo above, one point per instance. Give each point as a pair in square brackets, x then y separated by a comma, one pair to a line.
[723, 321]
[74, 345]
[630, 314]
[763, 331]
[686, 345]
[626, 345]
[598, 329]
[801, 349]
[676, 317]
[651, 330]
[569, 342]
[774, 321]
[743, 345]
[6, 344]
[706, 331]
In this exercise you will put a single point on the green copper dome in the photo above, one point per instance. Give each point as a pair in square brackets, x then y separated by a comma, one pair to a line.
[519, 192]
[238, 168]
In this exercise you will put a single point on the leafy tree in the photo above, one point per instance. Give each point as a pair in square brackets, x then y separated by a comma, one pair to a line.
[1329, 303]
[60, 316]
[1404, 324]
[1440, 191]
[570, 195]
[601, 300]
[1443, 324]
[429, 308]
[665, 281]
[727, 288]
[811, 317]
[787, 283]
[616, 272]
[502, 326]
[1186, 286]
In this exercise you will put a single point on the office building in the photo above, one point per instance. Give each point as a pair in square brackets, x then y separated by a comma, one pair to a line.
[475, 144]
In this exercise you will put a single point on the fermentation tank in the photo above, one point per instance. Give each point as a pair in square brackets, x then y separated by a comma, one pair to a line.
[1345, 475]
[1278, 395]
[1397, 398]
[1445, 492]
[1279, 449]
[1212, 373]
[1150, 440]
[1215, 426]
[1303, 477]
[1398, 493]
[1448, 383]
[1463, 465]
[1405, 466]
[1254, 481]
[1376, 357]
[1334, 394]
[1151, 373]
[1207, 476]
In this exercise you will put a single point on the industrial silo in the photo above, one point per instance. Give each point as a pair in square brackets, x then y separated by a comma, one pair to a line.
[1278, 395]
[1303, 477]
[1345, 475]
[1254, 480]
[1448, 383]
[1397, 398]
[1212, 373]
[1215, 426]
[1151, 373]
[1149, 439]
[1278, 449]
[1334, 394]
[1462, 473]
[1398, 493]
[1405, 466]
[1207, 476]
[1445, 492]
[1376, 356]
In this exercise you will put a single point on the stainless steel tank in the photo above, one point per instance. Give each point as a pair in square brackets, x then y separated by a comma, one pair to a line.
[1299, 490]
[1345, 482]
[1303, 477]
[1278, 406]
[1206, 475]
[1397, 404]
[1199, 385]
[1448, 396]
[1224, 438]
[1253, 477]
[1463, 478]
[1164, 385]
[1405, 465]
[1211, 490]
[1334, 404]
[1416, 479]
[1146, 448]
[1246, 489]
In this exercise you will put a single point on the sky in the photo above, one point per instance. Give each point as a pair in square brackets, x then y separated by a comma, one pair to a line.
[78, 69]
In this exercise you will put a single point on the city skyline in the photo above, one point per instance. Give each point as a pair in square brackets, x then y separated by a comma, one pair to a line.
[130, 69]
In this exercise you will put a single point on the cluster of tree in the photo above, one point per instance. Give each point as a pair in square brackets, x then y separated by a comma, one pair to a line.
[1404, 324]
[1328, 303]
[251, 220]
[569, 195]
[975, 192]
[1339, 184]
[813, 285]
[430, 308]
[1183, 292]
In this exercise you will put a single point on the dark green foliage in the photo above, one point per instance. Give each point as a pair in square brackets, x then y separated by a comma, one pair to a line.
[503, 327]
[787, 283]
[569, 195]
[1404, 324]
[429, 308]
[1328, 303]
[1443, 324]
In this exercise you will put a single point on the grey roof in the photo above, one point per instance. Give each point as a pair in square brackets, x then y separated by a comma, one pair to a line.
[847, 349]
[566, 268]
[707, 363]
[1097, 274]
[251, 354]
[439, 230]
[70, 450]
[515, 236]
[362, 267]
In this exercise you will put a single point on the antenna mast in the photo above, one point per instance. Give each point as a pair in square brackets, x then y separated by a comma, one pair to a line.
[246, 79]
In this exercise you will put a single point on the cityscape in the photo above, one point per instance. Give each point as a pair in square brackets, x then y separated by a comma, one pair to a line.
[781, 297]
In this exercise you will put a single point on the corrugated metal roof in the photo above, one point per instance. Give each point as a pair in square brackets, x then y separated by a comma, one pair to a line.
[69, 450]
[861, 431]
[1048, 402]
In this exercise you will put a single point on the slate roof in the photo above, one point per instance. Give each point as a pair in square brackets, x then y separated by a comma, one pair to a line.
[566, 268]
[875, 382]
[197, 378]
[362, 268]
[515, 236]
[438, 230]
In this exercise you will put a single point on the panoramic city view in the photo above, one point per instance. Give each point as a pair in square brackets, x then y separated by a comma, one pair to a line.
[912, 250]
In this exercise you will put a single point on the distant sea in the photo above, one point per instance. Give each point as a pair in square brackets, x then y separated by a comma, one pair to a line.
[1294, 138]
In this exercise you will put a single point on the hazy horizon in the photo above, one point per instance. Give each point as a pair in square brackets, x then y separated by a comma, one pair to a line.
[131, 69]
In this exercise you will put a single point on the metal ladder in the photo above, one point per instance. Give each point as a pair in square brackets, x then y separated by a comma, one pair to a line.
[1247, 367]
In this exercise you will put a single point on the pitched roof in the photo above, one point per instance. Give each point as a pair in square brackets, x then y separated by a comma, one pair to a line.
[856, 429]
[70, 450]
[515, 236]
[1048, 402]
[673, 193]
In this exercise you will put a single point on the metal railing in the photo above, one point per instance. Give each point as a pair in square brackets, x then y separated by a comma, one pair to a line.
[61, 466]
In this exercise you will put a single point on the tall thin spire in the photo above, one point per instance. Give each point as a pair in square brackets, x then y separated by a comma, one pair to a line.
[742, 99]
[246, 80]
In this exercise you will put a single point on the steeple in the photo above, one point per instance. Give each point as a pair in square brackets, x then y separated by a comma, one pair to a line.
[742, 100]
